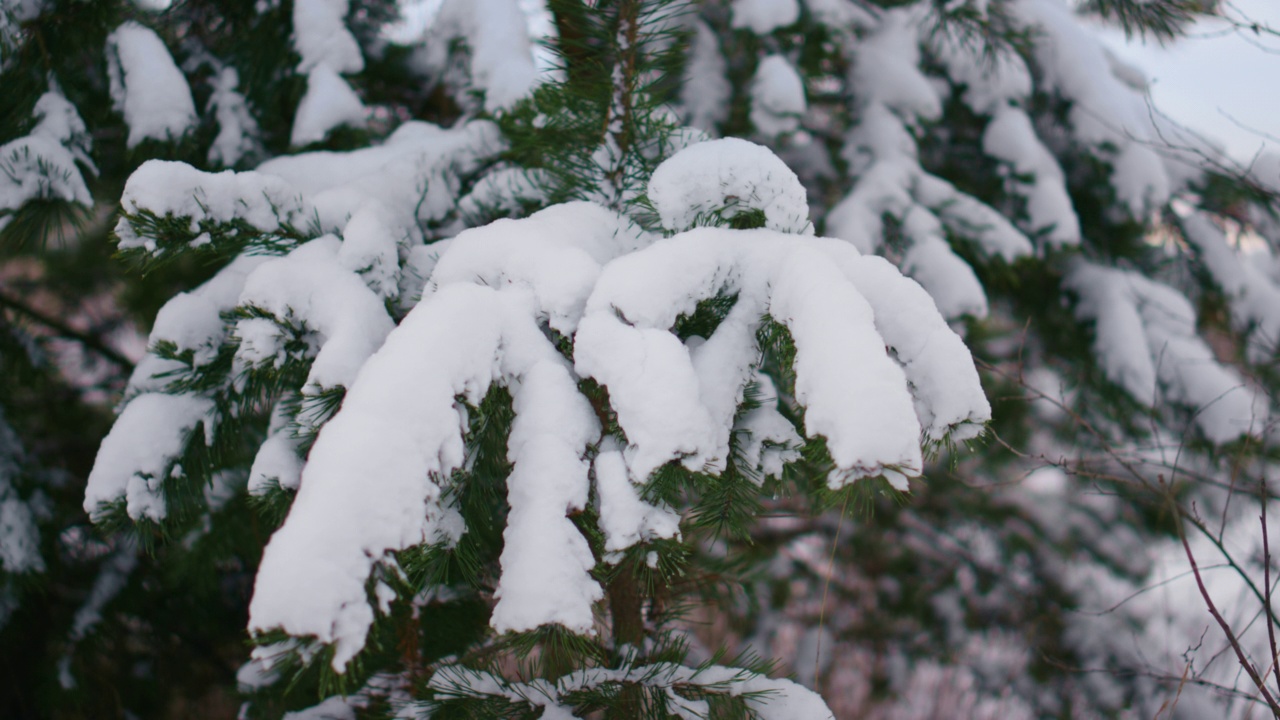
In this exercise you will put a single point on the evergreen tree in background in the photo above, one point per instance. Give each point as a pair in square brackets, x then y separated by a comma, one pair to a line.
[899, 349]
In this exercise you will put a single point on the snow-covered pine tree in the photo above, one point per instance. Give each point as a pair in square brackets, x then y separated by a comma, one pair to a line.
[517, 457]
[535, 418]
[1122, 300]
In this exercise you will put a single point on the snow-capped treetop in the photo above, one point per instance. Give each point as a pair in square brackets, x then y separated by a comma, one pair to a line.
[378, 478]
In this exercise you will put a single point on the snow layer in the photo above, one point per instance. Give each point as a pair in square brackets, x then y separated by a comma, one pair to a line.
[890, 181]
[672, 408]
[310, 288]
[146, 85]
[177, 190]
[373, 480]
[894, 96]
[998, 85]
[414, 174]
[43, 164]
[766, 698]
[556, 253]
[726, 177]
[154, 427]
[764, 16]
[144, 445]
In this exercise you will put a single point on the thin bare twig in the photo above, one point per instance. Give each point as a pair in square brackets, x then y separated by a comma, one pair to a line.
[1245, 664]
[1266, 572]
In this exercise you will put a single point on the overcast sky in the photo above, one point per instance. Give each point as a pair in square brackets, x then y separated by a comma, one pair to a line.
[1217, 81]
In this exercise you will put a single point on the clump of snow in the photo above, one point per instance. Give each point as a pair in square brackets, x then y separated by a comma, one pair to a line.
[192, 322]
[546, 563]
[371, 249]
[625, 518]
[1145, 339]
[146, 85]
[1011, 138]
[1105, 109]
[277, 462]
[144, 445]
[772, 441]
[991, 80]
[312, 289]
[886, 70]
[727, 177]
[496, 34]
[705, 91]
[840, 14]
[764, 16]
[557, 253]
[237, 130]
[1254, 297]
[766, 698]
[334, 708]
[373, 480]
[671, 409]
[777, 97]
[505, 191]
[328, 103]
[321, 37]
[948, 394]
[19, 535]
[43, 164]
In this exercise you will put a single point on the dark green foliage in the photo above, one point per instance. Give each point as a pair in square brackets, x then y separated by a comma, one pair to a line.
[175, 237]
[1163, 19]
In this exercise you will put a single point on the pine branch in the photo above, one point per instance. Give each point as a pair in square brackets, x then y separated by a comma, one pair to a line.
[91, 341]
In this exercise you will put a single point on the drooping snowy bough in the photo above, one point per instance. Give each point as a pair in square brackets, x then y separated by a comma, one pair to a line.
[876, 368]
[576, 312]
